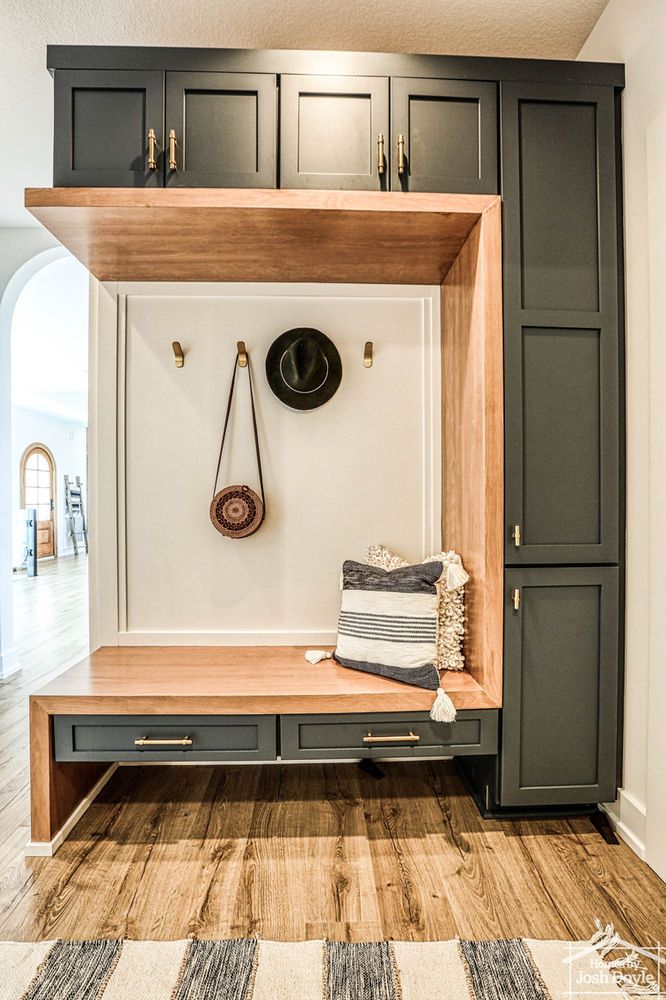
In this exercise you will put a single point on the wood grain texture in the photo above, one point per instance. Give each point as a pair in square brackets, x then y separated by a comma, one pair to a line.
[207, 234]
[473, 440]
[56, 787]
[235, 680]
[301, 851]
[292, 852]
[51, 633]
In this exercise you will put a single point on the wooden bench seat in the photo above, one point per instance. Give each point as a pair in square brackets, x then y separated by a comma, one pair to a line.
[100, 702]
[236, 680]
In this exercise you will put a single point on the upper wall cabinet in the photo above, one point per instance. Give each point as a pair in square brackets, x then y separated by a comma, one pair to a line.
[331, 132]
[108, 128]
[220, 130]
[444, 136]
[560, 324]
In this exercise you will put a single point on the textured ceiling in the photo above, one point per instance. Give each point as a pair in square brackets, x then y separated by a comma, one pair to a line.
[548, 29]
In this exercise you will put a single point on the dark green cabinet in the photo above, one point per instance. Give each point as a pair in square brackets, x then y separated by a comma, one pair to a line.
[331, 130]
[545, 135]
[562, 414]
[560, 701]
[221, 130]
[101, 130]
[444, 136]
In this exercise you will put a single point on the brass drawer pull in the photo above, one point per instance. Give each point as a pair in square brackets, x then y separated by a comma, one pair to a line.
[410, 738]
[145, 742]
[401, 155]
[380, 153]
[172, 150]
[152, 146]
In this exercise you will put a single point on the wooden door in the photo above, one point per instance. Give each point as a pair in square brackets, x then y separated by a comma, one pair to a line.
[561, 676]
[561, 325]
[330, 127]
[449, 132]
[38, 491]
[224, 127]
[101, 131]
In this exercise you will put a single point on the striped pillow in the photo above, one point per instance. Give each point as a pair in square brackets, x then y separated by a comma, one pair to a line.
[388, 621]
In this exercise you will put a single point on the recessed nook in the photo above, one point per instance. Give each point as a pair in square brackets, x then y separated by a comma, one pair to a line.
[302, 236]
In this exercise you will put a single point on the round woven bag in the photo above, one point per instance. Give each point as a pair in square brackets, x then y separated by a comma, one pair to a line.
[236, 511]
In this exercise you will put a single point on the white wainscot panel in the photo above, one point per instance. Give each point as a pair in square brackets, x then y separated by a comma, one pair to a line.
[363, 468]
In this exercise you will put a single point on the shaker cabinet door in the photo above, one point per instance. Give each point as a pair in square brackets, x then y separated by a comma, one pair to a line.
[221, 130]
[560, 701]
[562, 350]
[444, 136]
[330, 132]
[102, 128]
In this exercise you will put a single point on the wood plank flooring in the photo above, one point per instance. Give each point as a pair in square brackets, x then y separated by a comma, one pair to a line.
[290, 851]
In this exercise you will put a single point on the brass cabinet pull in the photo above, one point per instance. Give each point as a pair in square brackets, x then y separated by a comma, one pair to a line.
[152, 146]
[380, 153]
[143, 741]
[515, 534]
[409, 738]
[401, 155]
[172, 150]
[515, 597]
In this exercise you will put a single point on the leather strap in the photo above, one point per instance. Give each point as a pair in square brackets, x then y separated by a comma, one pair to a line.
[254, 430]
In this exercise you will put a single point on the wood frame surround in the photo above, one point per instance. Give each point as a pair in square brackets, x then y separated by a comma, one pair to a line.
[362, 237]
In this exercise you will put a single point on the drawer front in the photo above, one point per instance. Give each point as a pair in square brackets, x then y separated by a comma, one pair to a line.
[308, 737]
[182, 737]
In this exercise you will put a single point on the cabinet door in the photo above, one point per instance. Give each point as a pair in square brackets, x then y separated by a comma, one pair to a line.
[102, 121]
[559, 720]
[329, 132]
[450, 136]
[560, 324]
[224, 126]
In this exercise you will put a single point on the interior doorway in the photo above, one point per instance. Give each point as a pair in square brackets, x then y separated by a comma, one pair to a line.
[38, 492]
[49, 467]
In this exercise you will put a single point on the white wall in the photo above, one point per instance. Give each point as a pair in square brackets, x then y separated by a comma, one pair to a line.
[634, 32]
[67, 443]
[361, 469]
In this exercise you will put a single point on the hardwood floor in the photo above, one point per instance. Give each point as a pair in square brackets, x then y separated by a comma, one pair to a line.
[291, 851]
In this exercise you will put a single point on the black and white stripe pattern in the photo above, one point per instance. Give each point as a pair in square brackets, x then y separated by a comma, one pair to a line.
[389, 620]
[392, 628]
[248, 969]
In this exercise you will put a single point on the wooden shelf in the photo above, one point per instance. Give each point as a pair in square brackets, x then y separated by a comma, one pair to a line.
[210, 234]
[235, 680]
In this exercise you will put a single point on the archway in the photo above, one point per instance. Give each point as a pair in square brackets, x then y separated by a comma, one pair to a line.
[36, 285]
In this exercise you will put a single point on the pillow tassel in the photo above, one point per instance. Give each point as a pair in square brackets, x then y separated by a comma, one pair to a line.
[455, 576]
[317, 655]
[443, 709]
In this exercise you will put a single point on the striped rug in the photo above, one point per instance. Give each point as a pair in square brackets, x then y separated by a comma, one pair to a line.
[249, 969]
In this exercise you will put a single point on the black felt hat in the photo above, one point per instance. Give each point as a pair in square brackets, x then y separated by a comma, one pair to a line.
[303, 368]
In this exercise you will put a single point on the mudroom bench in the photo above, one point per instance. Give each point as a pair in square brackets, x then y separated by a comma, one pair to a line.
[179, 704]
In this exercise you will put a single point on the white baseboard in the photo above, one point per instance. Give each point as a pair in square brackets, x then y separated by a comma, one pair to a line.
[628, 818]
[313, 640]
[9, 663]
[47, 848]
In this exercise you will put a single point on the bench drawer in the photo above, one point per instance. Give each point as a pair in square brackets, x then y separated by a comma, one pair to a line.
[165, 738]
[309, 737]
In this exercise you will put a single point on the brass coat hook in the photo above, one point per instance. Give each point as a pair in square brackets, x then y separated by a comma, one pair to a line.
[367, 354]
[242, 354]
[178, 354]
